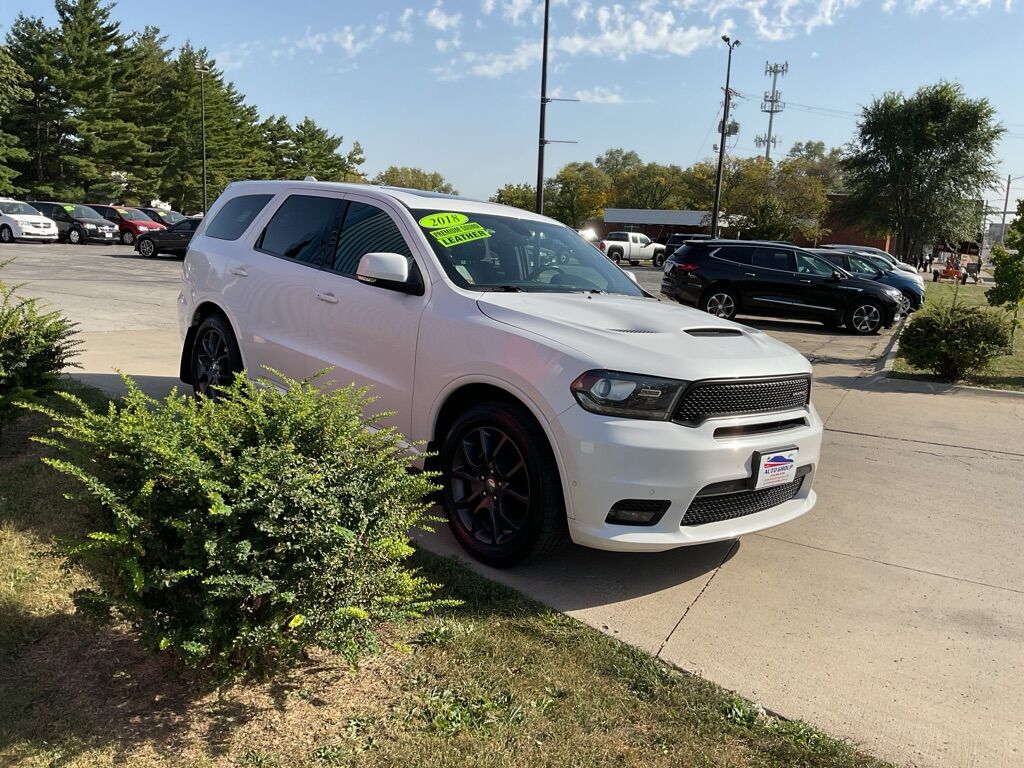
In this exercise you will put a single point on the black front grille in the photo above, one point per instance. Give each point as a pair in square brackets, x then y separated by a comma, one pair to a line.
[726, 506]
[708, 399]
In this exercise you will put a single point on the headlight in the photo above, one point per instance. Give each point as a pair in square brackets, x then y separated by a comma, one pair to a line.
[629, 395]
[90, 226]
[143, 229]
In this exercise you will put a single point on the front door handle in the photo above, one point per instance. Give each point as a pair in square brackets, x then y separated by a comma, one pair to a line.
[750, 274]
[240, 271]
[806, 281]
[327, 296]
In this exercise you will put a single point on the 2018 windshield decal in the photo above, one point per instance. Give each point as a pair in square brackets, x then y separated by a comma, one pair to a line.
[462, 233]
[443, 220]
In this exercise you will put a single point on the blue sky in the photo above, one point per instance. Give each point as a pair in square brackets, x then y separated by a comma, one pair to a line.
[451, 85]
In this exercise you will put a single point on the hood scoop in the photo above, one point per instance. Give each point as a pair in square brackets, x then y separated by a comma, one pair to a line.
[713, 332]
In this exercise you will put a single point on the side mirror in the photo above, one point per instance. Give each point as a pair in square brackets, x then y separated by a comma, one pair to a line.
[632, 276]
[391, 271]
[837, 275]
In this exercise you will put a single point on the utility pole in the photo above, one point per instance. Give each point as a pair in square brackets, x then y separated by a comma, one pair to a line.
[1006, 204]
[542, 140]
[202, 102]
[731, 45]
[772, 104]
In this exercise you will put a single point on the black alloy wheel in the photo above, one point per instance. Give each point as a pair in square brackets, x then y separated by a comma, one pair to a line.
[864, 317]
[215, 359]
[74, 236]
[501, 488]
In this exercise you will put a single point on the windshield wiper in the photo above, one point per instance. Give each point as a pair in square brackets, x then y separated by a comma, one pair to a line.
[505, 288]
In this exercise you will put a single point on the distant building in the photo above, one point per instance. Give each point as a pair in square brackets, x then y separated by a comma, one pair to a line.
[657, 224]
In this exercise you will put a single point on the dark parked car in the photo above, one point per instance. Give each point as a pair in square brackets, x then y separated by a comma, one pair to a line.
[77, 223]
[731, 277]
[874, 268]
[677, 240]
[130, 222]
[174, 239]
[160, 216]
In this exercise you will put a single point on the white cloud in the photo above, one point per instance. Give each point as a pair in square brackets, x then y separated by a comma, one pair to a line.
[487, 7]
[351, 40]
[442, 21]
[601, 95]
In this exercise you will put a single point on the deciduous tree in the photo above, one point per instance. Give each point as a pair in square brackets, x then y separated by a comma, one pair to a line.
[414, 178]
[517, 195]
[919, 164]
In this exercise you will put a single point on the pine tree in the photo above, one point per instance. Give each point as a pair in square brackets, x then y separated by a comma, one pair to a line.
[316, 154]
[91, 74]
[36, 119]
[12, 90]
[279, 142]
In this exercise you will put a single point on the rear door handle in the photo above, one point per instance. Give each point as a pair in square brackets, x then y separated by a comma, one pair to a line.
[240, 271]
[806, 281]
[750, 274]
[327, 296]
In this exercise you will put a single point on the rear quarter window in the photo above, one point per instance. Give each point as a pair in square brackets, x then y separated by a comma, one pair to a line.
[236, 216]
[735, 254]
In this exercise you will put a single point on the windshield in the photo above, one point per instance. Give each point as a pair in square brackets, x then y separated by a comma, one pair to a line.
[132, 215]
[879, 261]
[80, 212]
[18, 209]
[505, 253]
[169, 217]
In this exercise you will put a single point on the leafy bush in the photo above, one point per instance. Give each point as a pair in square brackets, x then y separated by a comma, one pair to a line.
[236, 533]
[954, 340]
[35, 346]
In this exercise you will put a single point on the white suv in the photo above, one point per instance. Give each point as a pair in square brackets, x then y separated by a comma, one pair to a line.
[20, 221]
[561, 399]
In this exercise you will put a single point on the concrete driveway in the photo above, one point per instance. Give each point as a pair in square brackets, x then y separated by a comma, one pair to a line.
[893, 614]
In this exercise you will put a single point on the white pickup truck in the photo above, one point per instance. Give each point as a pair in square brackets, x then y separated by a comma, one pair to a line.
[632, 247]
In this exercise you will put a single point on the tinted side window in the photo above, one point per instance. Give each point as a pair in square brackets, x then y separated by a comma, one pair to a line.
[367, 229]
[812, 265]
[857, 264]
[236, 216]
[303, 228]
[774, 258]
[736, 253]
[189, 225]
[618, 236]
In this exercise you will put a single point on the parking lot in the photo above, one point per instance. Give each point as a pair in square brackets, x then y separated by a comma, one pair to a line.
[892, 614]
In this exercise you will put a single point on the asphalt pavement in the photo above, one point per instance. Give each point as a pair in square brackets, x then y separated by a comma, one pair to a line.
[892, 614]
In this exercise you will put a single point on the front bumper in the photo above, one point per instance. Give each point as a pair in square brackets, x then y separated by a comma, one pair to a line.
[96, 236]
[31, 233]
[607, 460]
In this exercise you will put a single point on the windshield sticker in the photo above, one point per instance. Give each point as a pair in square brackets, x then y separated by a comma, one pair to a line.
[463, 233]
[68, 208]
[162, 214]
[122, 211]
[437, 220]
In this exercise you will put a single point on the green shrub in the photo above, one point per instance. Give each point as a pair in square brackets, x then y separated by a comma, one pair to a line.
[35, 346]
[236, 533]
[954, 340]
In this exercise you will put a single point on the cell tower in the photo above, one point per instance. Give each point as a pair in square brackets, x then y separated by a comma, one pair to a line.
[772, 104]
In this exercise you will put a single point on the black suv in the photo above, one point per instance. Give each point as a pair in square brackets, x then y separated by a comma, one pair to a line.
[731, 277]
[679, 239]
[78, 223]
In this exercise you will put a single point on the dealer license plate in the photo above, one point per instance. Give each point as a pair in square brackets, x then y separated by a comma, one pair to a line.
[775, 467]
[108, 234]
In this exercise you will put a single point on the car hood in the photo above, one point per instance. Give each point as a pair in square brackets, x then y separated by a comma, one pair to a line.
[29, 218]
[641, 335]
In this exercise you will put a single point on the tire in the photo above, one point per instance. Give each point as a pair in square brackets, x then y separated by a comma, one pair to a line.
[147, 248]
[720, 302]
[659, 259]
[516, 512]
[615, 255]
[74, 236]
[6, 235]
[127, 237]
[907, 305]
[864, 317]
[214, 359]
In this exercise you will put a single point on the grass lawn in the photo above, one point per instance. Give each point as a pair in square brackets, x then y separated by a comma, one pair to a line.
[499, 681]
[1005, 372]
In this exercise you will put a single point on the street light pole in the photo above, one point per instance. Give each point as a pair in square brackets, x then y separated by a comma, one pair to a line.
[542, 141]
[730, 44]
[202, 102]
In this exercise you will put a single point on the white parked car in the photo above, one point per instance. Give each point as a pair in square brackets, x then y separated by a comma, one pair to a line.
[20, 221]
[561, 399]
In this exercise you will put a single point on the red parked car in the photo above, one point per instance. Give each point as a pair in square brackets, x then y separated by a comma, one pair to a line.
[130, 221]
